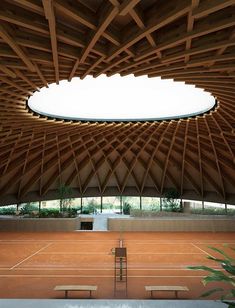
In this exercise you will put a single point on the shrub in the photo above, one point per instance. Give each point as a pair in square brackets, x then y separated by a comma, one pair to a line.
[64, 193]
[149, 213]
[213, 211]
[47, 213]
[228, 265]
[89, 209]
[126, 208]
[28, 208]
[169, 201]
[7, 211]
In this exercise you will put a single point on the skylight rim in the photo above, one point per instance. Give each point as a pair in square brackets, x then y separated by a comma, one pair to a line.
[183, 115]
[100, 120]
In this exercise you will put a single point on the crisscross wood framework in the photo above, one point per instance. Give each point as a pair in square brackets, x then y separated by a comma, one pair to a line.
[45, 41]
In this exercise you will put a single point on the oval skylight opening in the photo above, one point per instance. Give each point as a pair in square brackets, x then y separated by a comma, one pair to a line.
[120, 99]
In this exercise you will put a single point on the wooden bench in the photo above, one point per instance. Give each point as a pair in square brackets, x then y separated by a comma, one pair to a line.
[176, 289]
[67, 288]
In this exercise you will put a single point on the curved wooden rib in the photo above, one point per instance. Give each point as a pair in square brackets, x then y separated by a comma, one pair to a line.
[187, 40]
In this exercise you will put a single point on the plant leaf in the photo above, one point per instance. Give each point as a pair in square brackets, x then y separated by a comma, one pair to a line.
[221, 252]
[230, 304]
[231, 294]
[218, 277]
[203, 268]
[211, 292]
[228, 267]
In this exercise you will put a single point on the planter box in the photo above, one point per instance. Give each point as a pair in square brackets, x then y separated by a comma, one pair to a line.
[168, 224]
[38, 224]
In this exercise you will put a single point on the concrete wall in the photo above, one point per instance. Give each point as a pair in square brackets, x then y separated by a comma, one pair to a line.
[171, 224]
[39, 224]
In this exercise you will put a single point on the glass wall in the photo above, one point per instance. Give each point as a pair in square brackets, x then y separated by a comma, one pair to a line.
[116, 204]
[8, 209]
[111, 204]
[214, 208]
[230, 209]
[150, 203]
[91, 205]
[134, 202]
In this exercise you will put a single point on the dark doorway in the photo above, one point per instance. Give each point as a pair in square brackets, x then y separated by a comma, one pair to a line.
[86, 225]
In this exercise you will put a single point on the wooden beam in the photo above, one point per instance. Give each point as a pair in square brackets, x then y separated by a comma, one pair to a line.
[201, 31]
[95, 35]
[15, 85]
[7, 71]
[162, 21]
[31, 5]
[41, 76]
[93, 66]
[17, 49]
[28, 81]
[127, 6]
[50, 16]
[211, 6]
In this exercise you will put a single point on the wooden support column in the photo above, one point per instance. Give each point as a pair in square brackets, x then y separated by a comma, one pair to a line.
[81, 204]
[101, 204]
[160, 204]
[121, 205]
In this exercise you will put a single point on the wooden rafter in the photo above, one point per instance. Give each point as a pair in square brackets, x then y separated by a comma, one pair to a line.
[50, 16]
[43, 42]
[17, 49]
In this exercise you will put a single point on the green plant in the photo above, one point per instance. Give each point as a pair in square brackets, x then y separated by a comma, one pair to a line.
[213, 211]
[170, 202]
[64, 193]
[126, 208]
[28, 208]
[89, 209]
[228, 265]
[49, 213]
[7, 211]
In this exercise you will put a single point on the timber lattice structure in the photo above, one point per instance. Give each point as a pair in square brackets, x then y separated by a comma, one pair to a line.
[45, 41]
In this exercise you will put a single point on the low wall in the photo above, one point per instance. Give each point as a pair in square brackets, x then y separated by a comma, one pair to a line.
[39, 224]
[205, 224]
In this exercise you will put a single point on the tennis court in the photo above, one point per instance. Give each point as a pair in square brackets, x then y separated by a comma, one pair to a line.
[32, 264]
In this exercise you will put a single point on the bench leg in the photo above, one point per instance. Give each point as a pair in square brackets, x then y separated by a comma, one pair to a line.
[66, 294]
[176, 294]
[90, 293]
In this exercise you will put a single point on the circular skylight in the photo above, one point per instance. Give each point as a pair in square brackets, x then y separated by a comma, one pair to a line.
[120, 99]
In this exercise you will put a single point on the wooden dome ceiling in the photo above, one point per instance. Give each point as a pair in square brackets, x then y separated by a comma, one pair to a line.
[42, 42]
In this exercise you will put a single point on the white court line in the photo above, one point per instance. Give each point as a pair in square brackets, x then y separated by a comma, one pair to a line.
[202, 250]
[176, 242]
[136, 242]
[45, 268]
[30, 256]
[95, 276]
[60, 241]
[66, 268]
[129, 253]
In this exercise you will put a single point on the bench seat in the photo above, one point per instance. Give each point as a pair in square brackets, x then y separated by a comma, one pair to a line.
[67, 288]
[176, 289]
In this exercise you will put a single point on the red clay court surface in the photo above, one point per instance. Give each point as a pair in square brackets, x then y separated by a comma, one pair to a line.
[32, 264]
